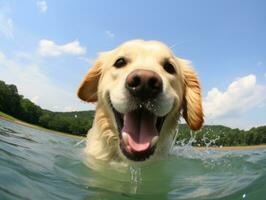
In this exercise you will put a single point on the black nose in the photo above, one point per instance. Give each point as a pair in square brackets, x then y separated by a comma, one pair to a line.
[144, 84]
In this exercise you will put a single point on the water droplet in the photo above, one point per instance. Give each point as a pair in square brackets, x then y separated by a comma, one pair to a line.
[135, 174]
[136, 178]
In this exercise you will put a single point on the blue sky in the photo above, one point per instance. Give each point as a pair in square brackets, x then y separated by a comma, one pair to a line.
[46, 47]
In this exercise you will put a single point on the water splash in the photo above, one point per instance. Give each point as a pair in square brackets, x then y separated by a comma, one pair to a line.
[135, 178]
[189, 143]
[174, 141]
[184, 148]
[135, 174]
[80, 142]
[209, 142]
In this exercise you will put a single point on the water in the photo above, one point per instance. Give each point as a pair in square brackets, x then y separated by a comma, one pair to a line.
[36, 164]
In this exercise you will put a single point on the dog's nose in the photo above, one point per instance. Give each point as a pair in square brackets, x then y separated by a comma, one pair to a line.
[144, 84]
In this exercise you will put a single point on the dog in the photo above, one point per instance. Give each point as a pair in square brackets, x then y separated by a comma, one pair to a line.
[141, 89]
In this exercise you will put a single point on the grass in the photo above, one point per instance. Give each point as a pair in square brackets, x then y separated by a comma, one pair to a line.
[6, 116]
[17, 121]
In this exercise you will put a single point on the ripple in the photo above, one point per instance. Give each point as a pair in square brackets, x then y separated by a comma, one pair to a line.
[38, 165]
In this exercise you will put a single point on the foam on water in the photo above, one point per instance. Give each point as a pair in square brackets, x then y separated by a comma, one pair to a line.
[35, 164]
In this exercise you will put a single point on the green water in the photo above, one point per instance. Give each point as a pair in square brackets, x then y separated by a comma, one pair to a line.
[38, 165]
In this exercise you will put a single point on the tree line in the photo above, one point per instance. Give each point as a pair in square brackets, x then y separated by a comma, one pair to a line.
[78, 123]
[14, 104]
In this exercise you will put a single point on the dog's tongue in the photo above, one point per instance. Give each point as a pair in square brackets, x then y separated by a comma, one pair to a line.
[140, 125]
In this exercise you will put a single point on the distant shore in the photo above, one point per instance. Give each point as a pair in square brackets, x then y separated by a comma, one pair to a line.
[224, 148]
[9, 118]
[231, 148]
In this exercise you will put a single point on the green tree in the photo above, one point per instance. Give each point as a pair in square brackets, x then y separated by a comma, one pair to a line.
[30, 112]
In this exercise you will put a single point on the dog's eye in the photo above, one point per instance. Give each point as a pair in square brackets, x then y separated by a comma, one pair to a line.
[169, 67]
[120, 62]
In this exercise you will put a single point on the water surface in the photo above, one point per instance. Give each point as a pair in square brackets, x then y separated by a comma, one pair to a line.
[36, 164]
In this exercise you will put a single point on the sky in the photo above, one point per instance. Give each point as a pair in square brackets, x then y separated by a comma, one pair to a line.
[46, 47]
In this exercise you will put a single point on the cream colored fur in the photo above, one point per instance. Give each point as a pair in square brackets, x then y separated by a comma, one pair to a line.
[104, 83]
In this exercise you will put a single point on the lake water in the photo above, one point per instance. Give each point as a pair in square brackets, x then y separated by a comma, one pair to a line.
[36, 164]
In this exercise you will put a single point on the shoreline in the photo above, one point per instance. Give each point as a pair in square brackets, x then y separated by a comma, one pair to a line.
[232, 148]
[9, 118]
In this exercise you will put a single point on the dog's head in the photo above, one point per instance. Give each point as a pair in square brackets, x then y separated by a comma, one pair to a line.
[142, 88]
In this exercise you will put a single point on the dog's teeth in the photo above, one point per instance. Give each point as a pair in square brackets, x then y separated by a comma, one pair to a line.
[125, 137]
[154, 140]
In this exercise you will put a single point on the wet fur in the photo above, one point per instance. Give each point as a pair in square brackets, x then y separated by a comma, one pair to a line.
[103, 139]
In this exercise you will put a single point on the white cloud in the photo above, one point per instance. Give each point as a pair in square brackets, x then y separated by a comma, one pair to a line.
[37, 86]
[240, 96]
[42, 6]
[109, 34]
[6, 23]
[50, 48]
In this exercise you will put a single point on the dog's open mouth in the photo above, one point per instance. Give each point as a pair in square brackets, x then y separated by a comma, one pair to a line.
[139, 132]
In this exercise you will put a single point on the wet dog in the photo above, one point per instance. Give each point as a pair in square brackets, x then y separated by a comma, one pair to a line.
[141, 89]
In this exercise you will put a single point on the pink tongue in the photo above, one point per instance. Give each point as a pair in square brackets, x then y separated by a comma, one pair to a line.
[137, 146]
[140, 126]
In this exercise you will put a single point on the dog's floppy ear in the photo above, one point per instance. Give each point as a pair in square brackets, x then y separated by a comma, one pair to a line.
[88, 88]
[192, 107]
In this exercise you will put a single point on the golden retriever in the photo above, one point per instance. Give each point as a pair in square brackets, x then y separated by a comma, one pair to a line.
[141, 89]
